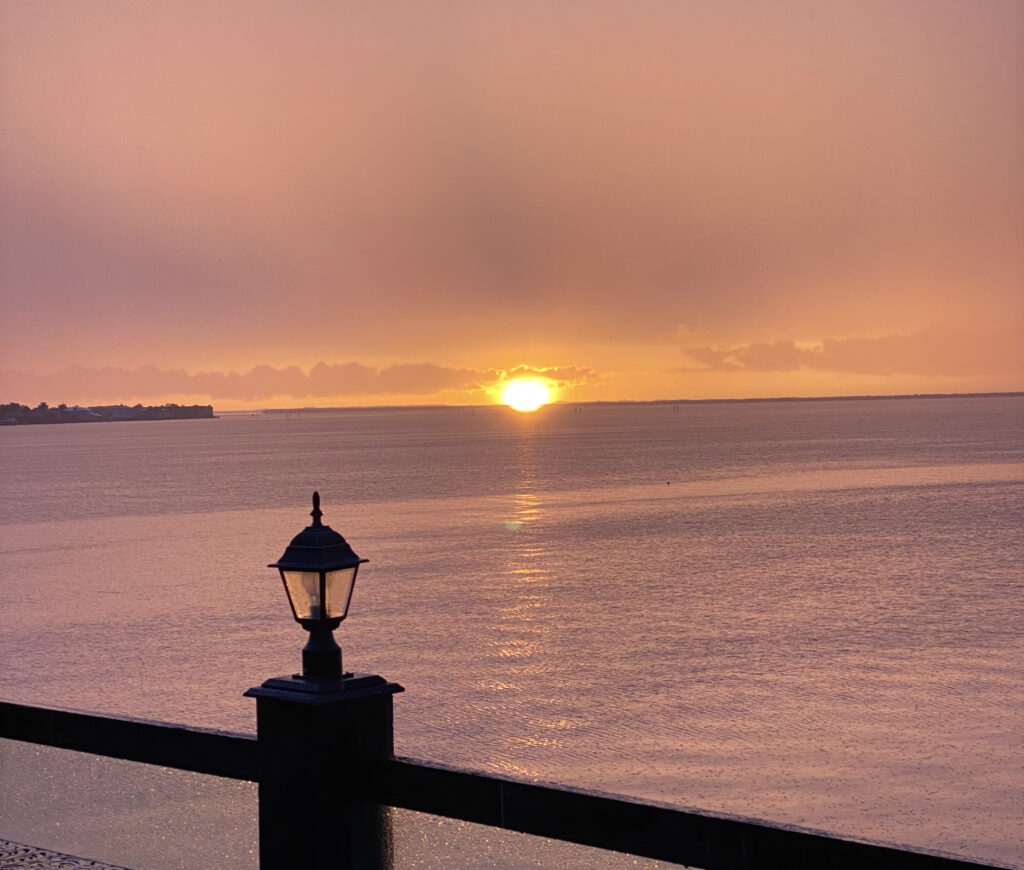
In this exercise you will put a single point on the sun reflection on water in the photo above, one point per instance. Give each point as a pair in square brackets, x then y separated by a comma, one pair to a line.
[523, 635]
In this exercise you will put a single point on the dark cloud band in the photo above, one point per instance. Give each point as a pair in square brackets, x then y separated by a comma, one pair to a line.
[323, 381]
[930, 352]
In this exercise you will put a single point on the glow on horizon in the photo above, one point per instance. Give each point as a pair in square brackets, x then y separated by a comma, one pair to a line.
[526, 394]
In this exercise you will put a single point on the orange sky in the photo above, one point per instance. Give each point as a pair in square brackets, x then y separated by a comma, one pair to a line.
[263, 204]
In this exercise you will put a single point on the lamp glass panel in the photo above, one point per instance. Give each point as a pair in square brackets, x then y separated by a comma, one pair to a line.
[304, 593]
[339, 590]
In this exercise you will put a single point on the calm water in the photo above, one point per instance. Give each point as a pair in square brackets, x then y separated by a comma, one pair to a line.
[806, 612]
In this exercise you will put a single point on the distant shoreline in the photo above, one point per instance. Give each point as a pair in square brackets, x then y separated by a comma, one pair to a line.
[122, 413]
[811, 399]
[15, 414]
[606, 402]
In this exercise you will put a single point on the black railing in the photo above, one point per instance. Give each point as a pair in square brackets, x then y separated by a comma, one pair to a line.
[200, 750]
[652, 830]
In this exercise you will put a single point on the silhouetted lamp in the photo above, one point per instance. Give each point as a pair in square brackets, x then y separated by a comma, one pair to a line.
[319, 572]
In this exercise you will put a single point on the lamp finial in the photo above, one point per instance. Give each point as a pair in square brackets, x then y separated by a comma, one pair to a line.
[316, 513]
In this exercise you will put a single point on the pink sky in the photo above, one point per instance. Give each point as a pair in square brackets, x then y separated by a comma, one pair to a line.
[255, 204]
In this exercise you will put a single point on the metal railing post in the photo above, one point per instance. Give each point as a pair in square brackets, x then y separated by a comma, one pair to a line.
[315, 738]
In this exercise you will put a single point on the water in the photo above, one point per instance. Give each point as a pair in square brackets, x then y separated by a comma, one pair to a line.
[805, 612]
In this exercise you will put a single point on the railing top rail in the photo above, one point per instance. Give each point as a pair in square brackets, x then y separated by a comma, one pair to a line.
[183, 747]
[665, 832]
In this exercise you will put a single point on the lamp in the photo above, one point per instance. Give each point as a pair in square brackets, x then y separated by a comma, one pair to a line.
[319, 570]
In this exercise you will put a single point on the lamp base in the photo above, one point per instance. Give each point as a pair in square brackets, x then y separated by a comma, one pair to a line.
[321, 656]
[320, 690]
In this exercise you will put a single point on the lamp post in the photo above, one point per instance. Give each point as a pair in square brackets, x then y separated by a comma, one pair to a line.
[320, 731]
[319, 570]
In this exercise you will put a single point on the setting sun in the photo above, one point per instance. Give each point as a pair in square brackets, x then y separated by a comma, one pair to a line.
[525, 395]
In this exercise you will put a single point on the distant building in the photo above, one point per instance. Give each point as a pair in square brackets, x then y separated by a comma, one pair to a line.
[78, 414]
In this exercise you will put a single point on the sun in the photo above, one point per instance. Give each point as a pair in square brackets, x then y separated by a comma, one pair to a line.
[525, 394]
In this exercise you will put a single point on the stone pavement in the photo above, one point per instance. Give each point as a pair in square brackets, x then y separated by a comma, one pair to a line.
[15, 856]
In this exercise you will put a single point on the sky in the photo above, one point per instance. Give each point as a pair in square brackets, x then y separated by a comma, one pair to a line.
[276, 204]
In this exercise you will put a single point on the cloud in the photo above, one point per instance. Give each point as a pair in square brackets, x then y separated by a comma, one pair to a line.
[78, 383]
[563, 376]
[931, 352]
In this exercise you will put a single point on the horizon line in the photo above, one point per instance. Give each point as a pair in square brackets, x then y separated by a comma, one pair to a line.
[593, 402]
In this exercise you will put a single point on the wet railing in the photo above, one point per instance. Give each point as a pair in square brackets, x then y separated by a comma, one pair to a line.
[657, 831]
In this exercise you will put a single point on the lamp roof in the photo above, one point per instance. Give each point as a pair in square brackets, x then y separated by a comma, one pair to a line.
[317, 548]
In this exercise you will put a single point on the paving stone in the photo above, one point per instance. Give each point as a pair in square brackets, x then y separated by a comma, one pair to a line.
[16, 856]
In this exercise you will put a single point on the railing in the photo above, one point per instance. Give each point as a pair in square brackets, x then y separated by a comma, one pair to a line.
[693, 838]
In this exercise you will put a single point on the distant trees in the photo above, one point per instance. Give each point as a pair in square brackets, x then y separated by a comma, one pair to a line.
[15, 413]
